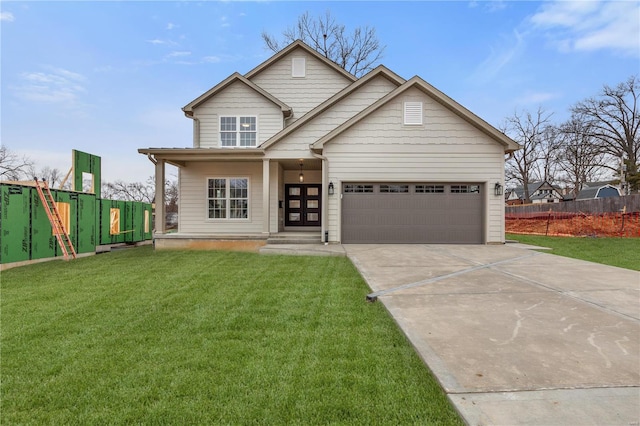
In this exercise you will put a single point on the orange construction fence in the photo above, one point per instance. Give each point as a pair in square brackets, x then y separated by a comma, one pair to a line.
[618, 224]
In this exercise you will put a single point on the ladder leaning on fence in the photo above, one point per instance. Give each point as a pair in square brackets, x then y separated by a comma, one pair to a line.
[59, 230]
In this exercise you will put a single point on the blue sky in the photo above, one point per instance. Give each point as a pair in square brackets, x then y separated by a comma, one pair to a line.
[110, 77]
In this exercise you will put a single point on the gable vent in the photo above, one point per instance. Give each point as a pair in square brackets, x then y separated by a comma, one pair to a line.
[298, 67]
[413, 113]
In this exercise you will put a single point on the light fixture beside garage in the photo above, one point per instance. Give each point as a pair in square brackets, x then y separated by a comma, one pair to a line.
[497, 189]
[301, 176]
[331, 188]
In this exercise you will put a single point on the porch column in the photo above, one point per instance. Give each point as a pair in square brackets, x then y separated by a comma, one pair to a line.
[325, 198]
[265, 197]
[160, 223]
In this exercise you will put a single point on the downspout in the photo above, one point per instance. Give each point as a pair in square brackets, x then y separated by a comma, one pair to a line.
[323, 213]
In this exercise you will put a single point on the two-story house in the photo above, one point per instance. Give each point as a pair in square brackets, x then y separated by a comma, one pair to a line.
[299, 144]
[539, 192]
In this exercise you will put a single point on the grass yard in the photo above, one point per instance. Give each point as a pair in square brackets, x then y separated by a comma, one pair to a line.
[621, 252]
[197, 337]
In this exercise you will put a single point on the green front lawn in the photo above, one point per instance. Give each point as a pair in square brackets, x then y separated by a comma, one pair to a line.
[197, 337]
[622, 252]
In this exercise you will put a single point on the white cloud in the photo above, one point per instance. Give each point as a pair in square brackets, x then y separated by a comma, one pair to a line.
[500, 57]
[56, 85]
[171, 26]
[224, 22]
[211, 59]
[7, 17]
[178, 54]
[591, 25]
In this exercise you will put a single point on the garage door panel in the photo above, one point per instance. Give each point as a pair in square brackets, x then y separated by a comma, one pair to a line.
[412, 217]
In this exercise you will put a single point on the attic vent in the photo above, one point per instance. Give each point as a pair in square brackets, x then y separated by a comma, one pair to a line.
[298, 67]
[413, 113]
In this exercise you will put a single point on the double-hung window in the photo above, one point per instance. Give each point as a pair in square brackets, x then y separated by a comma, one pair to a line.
[238, 131]
[228, 198]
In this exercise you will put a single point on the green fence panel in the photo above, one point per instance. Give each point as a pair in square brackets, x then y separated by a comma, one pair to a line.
[85, 218]
[43, 242]
[15, 242]
[138, 221]
[128, 230]
[121, 206]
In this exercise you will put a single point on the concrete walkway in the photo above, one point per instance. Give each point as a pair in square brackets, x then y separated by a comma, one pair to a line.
[516, 337]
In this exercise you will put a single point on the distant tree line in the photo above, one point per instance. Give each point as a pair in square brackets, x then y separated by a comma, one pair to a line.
[14, 167]
[599, 141]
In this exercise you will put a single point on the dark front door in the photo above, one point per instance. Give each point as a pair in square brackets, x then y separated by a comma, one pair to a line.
[302, 205]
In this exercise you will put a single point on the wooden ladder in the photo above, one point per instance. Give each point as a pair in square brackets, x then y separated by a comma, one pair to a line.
[51, 208]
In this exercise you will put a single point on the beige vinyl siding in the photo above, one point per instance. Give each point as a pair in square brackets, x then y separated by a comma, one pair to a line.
[301, 94]
[237, 100]
[193, 198]
[299, 140]
[444, 149]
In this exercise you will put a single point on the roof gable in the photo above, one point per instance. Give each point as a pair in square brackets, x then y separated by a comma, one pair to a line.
[438, 96]
[298, 44]
[380, 70]
[235, 77]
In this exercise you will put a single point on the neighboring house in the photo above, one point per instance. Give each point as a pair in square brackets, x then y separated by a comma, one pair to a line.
[539, 192]
[597, 190]
[299, 144]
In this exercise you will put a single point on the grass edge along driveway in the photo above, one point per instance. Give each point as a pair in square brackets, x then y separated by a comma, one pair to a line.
[620, 252]
[196, 337]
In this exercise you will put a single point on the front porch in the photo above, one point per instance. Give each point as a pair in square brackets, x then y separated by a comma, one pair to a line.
[234, 242]
[238, 199]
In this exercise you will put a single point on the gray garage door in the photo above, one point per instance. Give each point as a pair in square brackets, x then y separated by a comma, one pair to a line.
[412, 213]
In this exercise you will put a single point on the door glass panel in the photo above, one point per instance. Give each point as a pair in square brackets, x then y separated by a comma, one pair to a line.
[294, 217]
[312, 204]
[312, 217]
[312, 191]
[294, 204]
[294, 190]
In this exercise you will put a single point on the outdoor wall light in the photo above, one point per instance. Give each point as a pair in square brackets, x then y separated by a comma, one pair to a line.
[331, 188]
[301, 176]
[497, 189]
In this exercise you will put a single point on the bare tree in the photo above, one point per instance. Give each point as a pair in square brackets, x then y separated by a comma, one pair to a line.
[581, 159]
[530, 131]
[143, 192]
[14, 166]
[357, 52]
[53, 176]
[134, 191]
[614, 121]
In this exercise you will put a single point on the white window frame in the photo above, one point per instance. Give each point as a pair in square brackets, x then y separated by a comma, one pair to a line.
[227, 198]
[237, 131]
[413, 113]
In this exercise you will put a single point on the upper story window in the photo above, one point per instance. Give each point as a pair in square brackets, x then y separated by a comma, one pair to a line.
[238, 131]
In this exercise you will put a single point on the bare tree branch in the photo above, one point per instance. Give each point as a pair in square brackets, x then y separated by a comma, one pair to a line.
[529, 163]
[613, 117]
[13, 166]
[357, 53]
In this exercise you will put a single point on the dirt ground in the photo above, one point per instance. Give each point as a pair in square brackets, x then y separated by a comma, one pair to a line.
[604, 225]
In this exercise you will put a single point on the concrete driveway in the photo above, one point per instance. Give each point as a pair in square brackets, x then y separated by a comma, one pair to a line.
[516, 337]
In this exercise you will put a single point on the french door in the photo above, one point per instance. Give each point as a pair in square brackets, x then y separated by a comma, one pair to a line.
[302, 204]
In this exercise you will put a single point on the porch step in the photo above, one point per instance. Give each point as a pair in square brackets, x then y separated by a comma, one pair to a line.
[294, 238]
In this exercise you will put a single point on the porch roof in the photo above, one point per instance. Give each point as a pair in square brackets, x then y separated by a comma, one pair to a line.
[179, 156]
